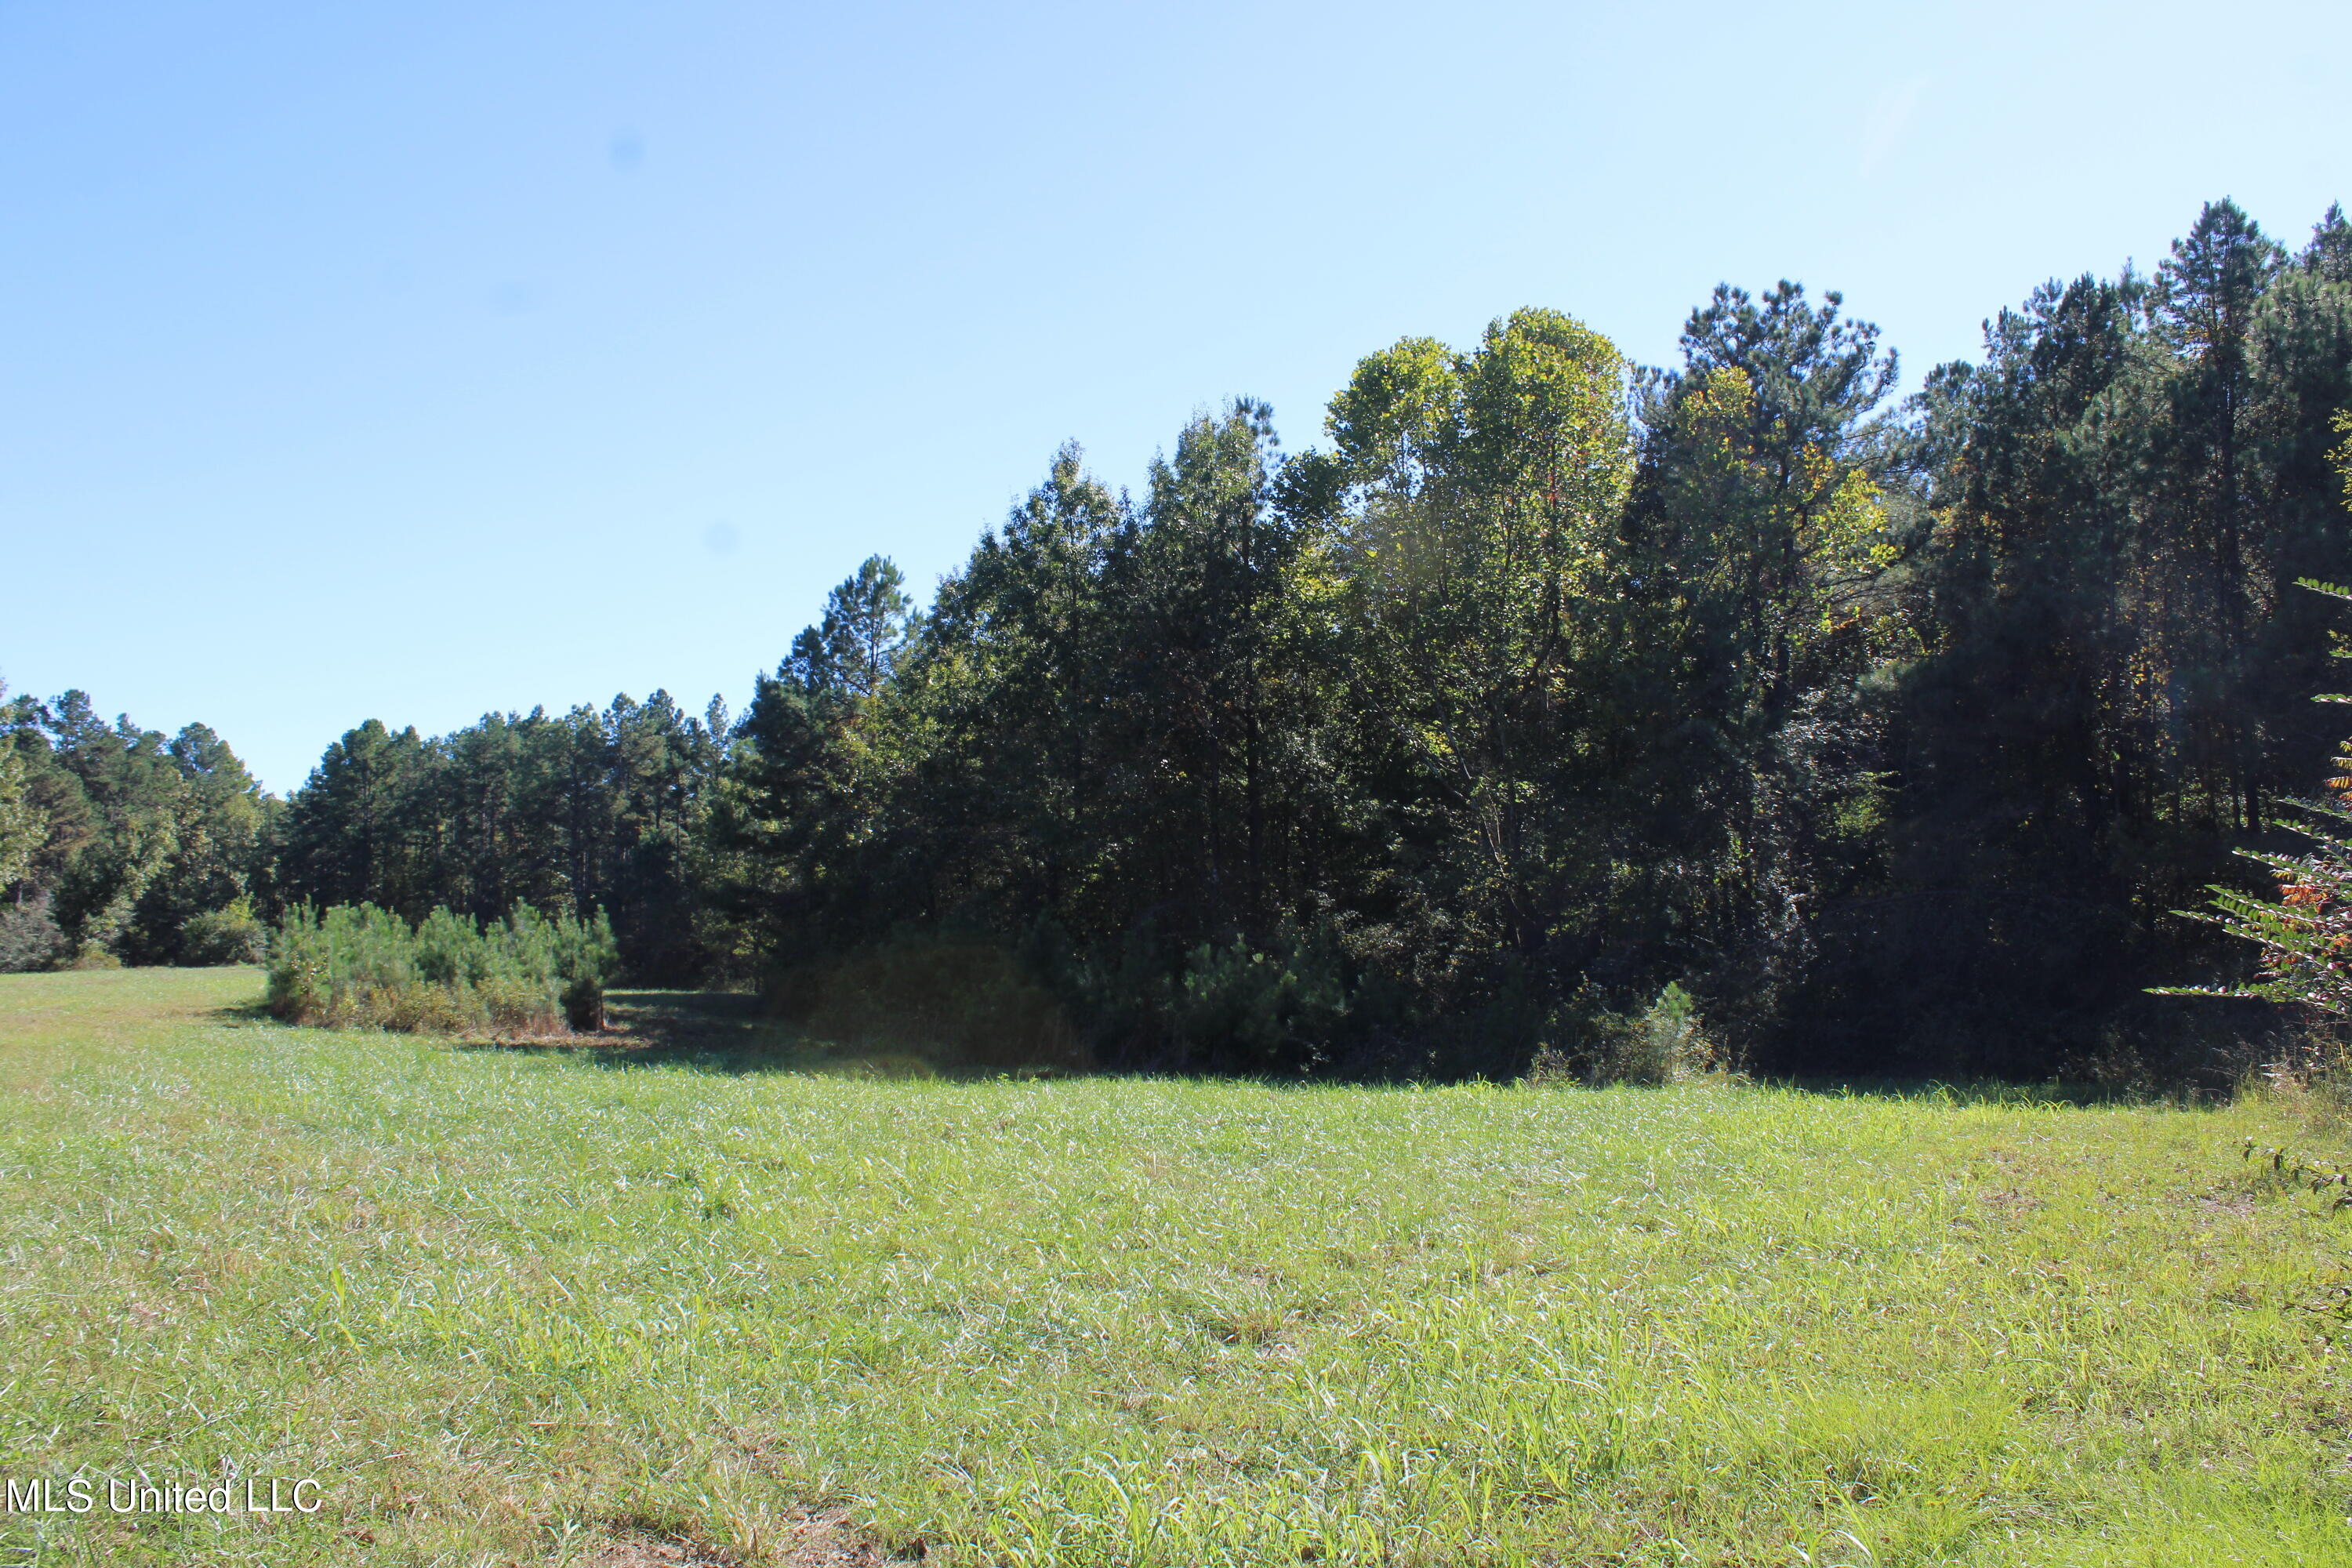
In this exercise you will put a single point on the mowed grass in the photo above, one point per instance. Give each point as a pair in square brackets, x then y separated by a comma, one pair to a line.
[510, 1307]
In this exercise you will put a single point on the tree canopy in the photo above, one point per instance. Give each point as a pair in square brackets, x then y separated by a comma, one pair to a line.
[1890, 732]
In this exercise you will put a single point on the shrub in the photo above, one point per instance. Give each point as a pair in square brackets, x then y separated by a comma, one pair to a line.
[2304, 941]
[1665, 1044]
[364, 967]
[1242, 1009]
[29, 938]
[230, 935]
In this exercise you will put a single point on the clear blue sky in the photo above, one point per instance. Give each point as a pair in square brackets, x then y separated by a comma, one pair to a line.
[414, 361]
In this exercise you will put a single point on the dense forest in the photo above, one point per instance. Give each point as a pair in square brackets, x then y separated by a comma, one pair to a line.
[1891, 732]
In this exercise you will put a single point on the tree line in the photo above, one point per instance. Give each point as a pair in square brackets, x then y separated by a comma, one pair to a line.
[1891, 732]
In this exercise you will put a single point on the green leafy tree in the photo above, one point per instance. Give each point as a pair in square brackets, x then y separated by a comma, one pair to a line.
[2328, 256]
[851, 650]
[1482, 574]
[2105, 708]
[2304, 938]
[140, 833]
[1763, 535]
[1548, 688]
[357, 830]
[804, 784]
[1013, 672]
[576, 811]
[1207, 584]
[24, 826]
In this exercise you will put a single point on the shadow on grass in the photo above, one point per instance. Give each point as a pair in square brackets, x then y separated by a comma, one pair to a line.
[240, 1013]
[717, 1031]
[1958, 1096]
[730, 1031]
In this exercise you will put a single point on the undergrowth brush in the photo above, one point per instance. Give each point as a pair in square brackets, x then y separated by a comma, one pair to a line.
[364, 967]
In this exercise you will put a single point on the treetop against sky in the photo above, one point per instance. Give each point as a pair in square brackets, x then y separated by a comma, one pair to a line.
[575, 353]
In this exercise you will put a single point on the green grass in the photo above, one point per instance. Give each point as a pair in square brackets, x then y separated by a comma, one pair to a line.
[510, 1306]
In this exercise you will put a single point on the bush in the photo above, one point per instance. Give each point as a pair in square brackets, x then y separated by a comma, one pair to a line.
[1241, 1009]
[2304, 941]
[29, 938]
[230, 935]
[1666, 1044]
[362, 967]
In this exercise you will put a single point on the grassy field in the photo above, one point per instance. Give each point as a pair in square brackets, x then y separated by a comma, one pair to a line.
[710, 1303]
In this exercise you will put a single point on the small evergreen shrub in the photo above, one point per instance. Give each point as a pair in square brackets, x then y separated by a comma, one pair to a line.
[1245, 1009]
[364, 967]
[1664, 1044]
[29, 938]
[230, 935]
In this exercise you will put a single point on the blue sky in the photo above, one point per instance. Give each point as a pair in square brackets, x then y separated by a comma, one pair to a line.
[410, 362]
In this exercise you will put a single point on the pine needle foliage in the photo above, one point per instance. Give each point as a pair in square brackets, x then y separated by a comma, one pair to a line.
[359, 966]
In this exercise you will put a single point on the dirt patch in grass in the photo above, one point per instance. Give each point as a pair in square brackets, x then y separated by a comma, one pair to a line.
[726, 1030]
[822, 1537]
[826, 1540]
[643, 1551]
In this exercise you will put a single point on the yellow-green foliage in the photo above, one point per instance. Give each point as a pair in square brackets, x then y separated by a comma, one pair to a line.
[506, 1305]
[362, 967]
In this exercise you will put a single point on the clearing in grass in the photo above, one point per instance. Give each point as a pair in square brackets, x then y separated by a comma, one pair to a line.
[743, 1302]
